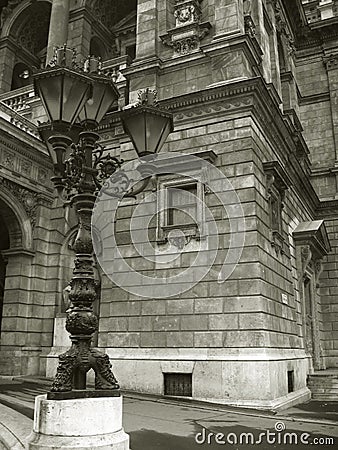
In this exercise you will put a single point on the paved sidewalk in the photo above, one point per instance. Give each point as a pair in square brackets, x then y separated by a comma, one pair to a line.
[165, 424]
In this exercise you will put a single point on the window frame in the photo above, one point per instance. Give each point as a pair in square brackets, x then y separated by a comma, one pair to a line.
[197, 230]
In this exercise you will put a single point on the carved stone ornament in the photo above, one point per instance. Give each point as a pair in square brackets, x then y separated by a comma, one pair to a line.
[28, 199]
[187, 12]
[189, 31]
[331, 61]
[249, 25]
[306, 255]
[7, 11]
[178, 239]
[282, 27]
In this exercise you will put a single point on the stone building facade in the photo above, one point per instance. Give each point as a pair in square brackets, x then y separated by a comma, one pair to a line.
[253, 89]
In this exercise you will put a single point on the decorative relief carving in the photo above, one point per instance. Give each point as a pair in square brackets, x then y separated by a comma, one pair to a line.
[277, 182]
[212, 109]
[331, 61]
[306, 256]
[282, 28]
[178, 239]
[187, 12]
[28, 199]
[189, 31]
[7, 11]
[34, 32]
[42, 176]
[26, 167]
[8, 160]
[249, 25]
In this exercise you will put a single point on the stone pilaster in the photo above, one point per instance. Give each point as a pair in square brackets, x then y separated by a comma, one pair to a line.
[79, 33]
[146, 29]
[7, 58]
[18, 330]
[58, 26]
[331, 63]
[229, 18]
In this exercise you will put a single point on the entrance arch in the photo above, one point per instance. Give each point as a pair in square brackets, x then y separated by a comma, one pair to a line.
[16, 255]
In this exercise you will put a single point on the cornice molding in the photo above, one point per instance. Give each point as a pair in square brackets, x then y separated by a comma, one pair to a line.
[328, 209]
[245, 96]
[142, 67]
[227, 44]
[315, 98]
[29, 150]
[313, 234]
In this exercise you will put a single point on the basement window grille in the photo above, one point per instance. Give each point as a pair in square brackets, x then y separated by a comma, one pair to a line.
[178, 384]
[290, 381]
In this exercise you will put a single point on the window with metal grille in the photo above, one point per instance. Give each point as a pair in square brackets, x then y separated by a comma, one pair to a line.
[290, 381]
[178, 384]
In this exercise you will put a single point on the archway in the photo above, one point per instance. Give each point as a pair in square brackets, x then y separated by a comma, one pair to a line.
[97, 48]
[24, 27]
[16, 258]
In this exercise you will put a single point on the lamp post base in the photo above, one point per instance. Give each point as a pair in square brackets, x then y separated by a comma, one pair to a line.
[76, 424]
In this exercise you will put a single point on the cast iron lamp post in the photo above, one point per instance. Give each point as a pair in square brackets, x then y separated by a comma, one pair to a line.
[69, 94]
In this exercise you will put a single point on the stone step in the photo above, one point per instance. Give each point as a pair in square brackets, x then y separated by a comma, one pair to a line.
[324, 391]
[324, 386]
[325, 398]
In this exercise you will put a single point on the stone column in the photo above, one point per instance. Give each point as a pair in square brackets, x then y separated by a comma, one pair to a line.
[58, 26]
[229, 18]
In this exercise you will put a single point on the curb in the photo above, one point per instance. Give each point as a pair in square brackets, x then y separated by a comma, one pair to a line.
[268, 414]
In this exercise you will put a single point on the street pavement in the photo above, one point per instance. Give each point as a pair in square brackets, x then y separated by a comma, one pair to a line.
[168, 424]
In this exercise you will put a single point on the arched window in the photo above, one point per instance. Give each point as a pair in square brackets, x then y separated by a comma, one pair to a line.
[22, 76]
[24, 28]
[97, 48]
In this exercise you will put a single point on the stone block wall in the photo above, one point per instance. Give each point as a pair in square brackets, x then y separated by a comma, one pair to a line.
[232, 323]
[329, 295]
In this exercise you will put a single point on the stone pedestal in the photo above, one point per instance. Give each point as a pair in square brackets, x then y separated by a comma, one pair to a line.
[86, 423]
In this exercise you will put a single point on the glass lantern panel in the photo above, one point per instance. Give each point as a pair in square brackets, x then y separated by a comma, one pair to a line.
[97, 106]
[50, 93]
[155, 128]
[166, 130]
[135, 125]
[109, 95]
[75, 92]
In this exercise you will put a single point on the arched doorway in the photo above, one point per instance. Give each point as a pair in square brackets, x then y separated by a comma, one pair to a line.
[16, 256]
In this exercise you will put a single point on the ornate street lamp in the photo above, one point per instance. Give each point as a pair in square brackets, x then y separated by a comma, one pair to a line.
[70, 94]
[140, 123]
